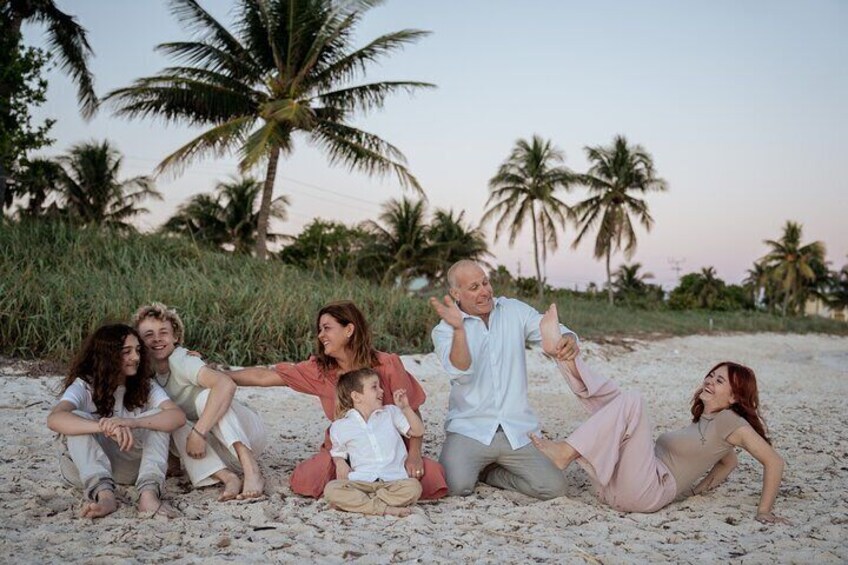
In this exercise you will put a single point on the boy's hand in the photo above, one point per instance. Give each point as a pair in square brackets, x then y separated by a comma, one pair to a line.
[401, 400]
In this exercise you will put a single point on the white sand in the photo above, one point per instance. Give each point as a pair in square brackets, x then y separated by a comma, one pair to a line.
[803, 389]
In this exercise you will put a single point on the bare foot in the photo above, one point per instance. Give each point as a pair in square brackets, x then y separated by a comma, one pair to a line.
[254, 484]
[105, 505]
[400, 512]
[231, 482]
[560, 453]
[149, 506]
[549, 328]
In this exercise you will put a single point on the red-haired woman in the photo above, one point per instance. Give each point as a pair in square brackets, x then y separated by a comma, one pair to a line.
[633, 474]
[343, 343]
[117, 423]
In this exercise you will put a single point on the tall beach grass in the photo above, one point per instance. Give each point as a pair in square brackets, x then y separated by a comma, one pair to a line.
[57, 283]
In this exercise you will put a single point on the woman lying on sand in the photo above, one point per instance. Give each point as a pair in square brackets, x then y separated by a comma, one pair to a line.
[631, 473]
[117, 422]
[343, 343]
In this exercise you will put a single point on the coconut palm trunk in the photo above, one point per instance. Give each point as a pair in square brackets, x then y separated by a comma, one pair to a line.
[536, 258]
[265, 206]
[609, 278]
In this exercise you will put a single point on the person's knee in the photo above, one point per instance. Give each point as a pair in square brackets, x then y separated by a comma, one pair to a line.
[552, 486]
[460, 484]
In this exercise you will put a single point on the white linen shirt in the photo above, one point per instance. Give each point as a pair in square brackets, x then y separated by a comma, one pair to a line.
[375, 447]
[492, 392]
[79, 394]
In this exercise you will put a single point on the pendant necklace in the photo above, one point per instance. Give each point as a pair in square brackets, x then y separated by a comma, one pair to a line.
[701, 433]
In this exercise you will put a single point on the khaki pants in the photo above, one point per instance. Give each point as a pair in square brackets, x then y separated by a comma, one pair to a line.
[238, 424]
[97, 463]
[371, 498]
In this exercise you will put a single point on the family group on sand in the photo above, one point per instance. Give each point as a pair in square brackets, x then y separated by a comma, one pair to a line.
[134, 393]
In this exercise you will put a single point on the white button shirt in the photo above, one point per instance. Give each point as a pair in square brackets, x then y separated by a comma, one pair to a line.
[375, 447]
[492, 392]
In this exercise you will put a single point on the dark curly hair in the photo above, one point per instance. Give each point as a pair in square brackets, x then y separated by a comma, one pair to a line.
[743, 383]
[99, 364]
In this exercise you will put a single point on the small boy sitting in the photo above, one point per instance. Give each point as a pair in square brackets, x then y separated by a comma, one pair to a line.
[369, 435]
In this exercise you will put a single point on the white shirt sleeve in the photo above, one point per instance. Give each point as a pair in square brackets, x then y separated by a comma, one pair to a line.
[442, 336]
[398, 419]
[79, 394]
[338, 449]
[184, 366]
[157, 395]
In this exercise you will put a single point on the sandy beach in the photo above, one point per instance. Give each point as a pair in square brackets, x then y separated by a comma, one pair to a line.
[803, 387]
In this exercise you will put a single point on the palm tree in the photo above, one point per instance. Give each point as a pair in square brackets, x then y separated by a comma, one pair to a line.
[709, 288]
[450, 240]
[524, 189]
[628, 279]
[616, 173]
[66, 40]
[287, 66]
[401, 248]
[226, 218]
[758, 280]
[91, 189]
[794, 266]
[38, 179]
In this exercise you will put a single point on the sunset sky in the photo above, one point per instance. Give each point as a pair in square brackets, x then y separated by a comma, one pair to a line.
[742, 105]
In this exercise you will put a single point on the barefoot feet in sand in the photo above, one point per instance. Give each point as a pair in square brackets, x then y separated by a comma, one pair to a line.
[560, 453]
[105, 505]
[150, 506]
[254, 484]
[399, 511]
[231, 482]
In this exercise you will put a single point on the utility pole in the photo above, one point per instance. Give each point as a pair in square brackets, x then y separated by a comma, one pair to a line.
[676, 265]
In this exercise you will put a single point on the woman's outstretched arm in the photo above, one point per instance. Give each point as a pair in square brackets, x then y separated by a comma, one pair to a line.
[718, 474]
[256, 376]
[749, 440]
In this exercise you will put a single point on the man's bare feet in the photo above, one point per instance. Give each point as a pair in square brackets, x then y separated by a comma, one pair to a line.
[549, 328]
[254, 484]
[150, 506]
[560, 453]
[231, 482]
[105, 505]
[399, 511]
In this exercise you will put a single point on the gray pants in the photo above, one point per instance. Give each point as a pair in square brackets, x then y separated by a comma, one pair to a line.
[524, 470]
[97, 463]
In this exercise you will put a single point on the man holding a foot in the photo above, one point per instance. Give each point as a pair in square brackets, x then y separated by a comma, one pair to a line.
[222, 437]
[481, 344]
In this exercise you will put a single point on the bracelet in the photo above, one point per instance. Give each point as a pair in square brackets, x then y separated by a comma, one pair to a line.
[201, 434]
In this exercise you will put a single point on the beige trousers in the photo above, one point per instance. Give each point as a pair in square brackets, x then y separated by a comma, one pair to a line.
[238, 424]
[371, 498]
[97, 463]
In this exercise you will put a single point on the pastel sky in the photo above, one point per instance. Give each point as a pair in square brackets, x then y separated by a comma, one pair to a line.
[742, 105]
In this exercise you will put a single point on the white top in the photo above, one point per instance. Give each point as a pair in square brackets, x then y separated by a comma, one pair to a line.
[79, 394]
[181, 381]
[492, 392]
[375, 447]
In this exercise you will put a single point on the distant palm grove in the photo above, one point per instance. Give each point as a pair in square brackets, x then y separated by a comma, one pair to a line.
[285, 70]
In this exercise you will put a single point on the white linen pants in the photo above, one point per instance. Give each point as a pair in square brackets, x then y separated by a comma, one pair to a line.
[97, 463]
[238, 424]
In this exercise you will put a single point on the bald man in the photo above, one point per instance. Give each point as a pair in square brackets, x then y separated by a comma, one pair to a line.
[480, 342]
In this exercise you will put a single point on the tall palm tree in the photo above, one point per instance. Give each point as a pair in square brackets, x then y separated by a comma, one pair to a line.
[617, 172]
[450, 240]
[758, 279]
[401, 247]
[38, 179]
[794, 266]
[287, 66]
[524, 189]
[228, 217]
[91, 189]
[709, 287]
[66, 40]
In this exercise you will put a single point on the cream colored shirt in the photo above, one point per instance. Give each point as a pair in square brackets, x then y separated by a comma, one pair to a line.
[691, 452]
[181, 382]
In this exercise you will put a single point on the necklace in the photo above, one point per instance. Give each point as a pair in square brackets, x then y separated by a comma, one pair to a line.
[167, 378]
[706, 426]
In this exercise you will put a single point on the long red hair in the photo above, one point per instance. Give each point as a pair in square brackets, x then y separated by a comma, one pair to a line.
[743, 383]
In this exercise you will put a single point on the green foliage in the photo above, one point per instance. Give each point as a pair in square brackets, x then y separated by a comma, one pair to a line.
[797, 270]
[59, 282]
[705, 291]
[22, 89]
[226, 219]
[329, 248]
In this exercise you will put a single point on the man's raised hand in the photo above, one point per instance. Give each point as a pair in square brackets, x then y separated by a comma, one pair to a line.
[448, 311]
